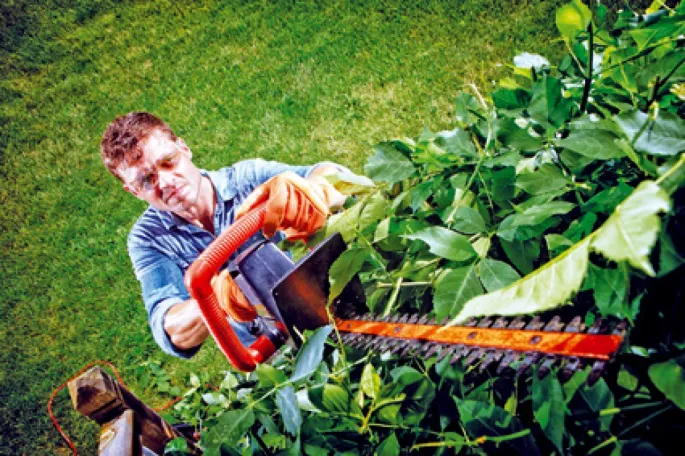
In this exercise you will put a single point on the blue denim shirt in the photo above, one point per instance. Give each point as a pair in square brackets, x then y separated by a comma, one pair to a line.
[162, 245]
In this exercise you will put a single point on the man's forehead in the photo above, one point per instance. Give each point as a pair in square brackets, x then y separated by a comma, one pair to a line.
[155, 146]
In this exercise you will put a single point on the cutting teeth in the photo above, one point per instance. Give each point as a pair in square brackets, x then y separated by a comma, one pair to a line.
[547, 364]
[493, 356]
[509, 357]
[528, 360]
[576, 325]
[555, 324]
[474, 356]
[517, 323]
[571, 365]
[423, 320]
[485, 322]
[596, 372]
[598, 327]
[501, 322]
[535, 324]
[434, 348]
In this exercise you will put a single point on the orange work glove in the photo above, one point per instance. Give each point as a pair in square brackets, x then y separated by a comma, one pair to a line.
[299, 206]
[231, 299]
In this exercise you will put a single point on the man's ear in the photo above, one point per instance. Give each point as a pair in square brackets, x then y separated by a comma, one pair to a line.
[182, 144]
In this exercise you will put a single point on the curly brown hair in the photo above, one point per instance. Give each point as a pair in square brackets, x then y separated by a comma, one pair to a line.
[124, 135]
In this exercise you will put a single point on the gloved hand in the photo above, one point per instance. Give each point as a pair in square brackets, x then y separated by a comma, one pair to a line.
[231, 299]
[299, 206]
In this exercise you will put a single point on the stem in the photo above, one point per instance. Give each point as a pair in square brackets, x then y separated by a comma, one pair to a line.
[446, 443]
[393, 297]
[588, 76]
[261, 443]
[405, 284]
[661, 82]
[603, 444]
[645, 420]
[674, 177]
[614, 411]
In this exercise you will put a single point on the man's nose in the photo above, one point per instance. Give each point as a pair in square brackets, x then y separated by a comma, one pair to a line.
[164, 179]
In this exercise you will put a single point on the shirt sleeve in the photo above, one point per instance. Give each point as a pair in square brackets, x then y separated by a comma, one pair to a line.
[162, 287]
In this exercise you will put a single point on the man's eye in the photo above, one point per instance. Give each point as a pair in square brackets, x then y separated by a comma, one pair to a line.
[148, 179]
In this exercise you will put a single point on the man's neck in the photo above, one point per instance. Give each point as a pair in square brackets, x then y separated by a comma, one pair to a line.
[202, 212]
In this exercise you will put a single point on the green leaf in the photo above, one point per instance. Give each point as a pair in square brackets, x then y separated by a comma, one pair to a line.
[346, 222]
[230, 428]
[669, 257]
[344, 269]
[631, 231]
[573, 18]
[510, 99]
[545, 179]
[455, 288]
[484, 419]
[445, 243]
[468, 220]
[532, 222]
[522, 254]
[388, 164]
[370, 382]
[545, 288]
[290, 412]
[269, 376]
[504, 184]
[464, 107]
[333, 398]
[669, 377]
[610, 287]
[510, 135]
[496, 274]
[420, 194]
[549, 409]
[390, 446]
[374, 209]
[593, 399]
[310, 354]
[548, 106]
[663, 136]
[351, 184]
[457, 142]
[596, 144]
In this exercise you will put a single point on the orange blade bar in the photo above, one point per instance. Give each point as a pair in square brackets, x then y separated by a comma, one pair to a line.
[559, 343]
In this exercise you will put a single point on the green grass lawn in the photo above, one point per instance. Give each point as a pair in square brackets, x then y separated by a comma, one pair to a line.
[297, 82]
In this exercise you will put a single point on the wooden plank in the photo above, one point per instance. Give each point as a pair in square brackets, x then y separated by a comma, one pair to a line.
[98, 396]
[119, 437]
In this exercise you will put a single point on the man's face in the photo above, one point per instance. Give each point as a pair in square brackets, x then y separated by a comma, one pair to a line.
[164, 176]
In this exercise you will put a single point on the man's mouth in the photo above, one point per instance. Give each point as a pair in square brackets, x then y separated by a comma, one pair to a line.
[172, 194]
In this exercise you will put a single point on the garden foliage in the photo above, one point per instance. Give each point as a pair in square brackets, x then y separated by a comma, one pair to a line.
[559, 191]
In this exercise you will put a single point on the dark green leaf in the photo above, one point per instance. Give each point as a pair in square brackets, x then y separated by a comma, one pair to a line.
[510, 99]
[504, 184]
[522, 254]
[420, 194]
[594, 398]
[445, 243]
[455, 289]
[669, 257]
[664, 136]
[388, 164]
[496, 274]
[465, 105]
[607, 200]
[457, 142]
[290, 412]
[610, 291]
[669, 377]
[469, 221]
[344, 269]
[548, 106]
[310, 354]
[485, 419]
[333, 398]
[550, 409]
[511, 135]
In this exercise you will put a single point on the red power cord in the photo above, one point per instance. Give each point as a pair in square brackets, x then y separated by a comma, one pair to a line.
[88, 366]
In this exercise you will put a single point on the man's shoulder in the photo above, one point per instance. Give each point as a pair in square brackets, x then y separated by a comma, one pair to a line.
[149, 225]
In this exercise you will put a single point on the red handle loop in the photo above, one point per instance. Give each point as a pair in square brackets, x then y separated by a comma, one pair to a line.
[198, 281]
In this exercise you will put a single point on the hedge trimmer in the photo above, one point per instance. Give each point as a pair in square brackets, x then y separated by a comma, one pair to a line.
[296, 296]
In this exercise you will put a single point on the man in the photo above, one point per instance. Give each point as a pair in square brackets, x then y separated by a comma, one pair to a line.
[189, 207]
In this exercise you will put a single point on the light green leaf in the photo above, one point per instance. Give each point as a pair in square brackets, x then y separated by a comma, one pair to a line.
[388, 164]
[664, 136]
[545, 179]
[311, 353]
[344, 269]
[351, 184]
[545, 288]
[455, 288]
[373, 211]
[669, 377]
[549, 408]
[482, 246]
[445, 243]
[287, 405]
[496, 274]
[631, 231]
[573, 18]
[345, 222]
[469, 221]
[533, 221]
[333, 398]
[457, 142]
[595, 144]
[371, 382]
[390, 446]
